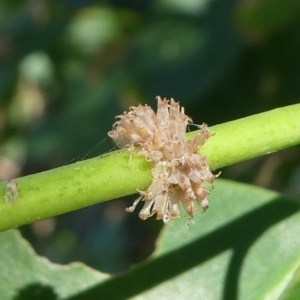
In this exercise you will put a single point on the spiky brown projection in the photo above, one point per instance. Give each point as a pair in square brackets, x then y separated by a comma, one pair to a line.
[178, 173]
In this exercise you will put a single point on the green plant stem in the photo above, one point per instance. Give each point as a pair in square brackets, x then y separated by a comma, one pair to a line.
[114, 175]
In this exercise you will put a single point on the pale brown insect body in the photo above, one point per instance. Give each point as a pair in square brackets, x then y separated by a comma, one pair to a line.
[178, 173]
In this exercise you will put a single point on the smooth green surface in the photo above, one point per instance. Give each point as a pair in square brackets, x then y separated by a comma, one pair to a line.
[25, 275]
[246, 246]
[75, 186]
[253, 136]
[85, 183]
[292, 291]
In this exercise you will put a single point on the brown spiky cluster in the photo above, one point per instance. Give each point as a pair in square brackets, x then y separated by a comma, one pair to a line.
[178, 173]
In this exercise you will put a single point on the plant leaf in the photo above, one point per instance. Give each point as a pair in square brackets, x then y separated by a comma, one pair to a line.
[245, 246]
[293, 289]
[24, 275]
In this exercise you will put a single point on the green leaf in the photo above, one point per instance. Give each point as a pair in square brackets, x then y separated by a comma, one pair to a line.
[24, 275]
[293, 289]
[245, 246]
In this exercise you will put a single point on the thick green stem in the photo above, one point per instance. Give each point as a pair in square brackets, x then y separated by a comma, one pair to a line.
[107, 177]
[253, 136]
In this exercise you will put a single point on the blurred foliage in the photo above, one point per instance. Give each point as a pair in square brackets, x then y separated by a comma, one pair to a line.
[68, 67]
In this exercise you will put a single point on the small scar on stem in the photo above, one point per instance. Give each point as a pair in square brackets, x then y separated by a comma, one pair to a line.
[11, 192]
